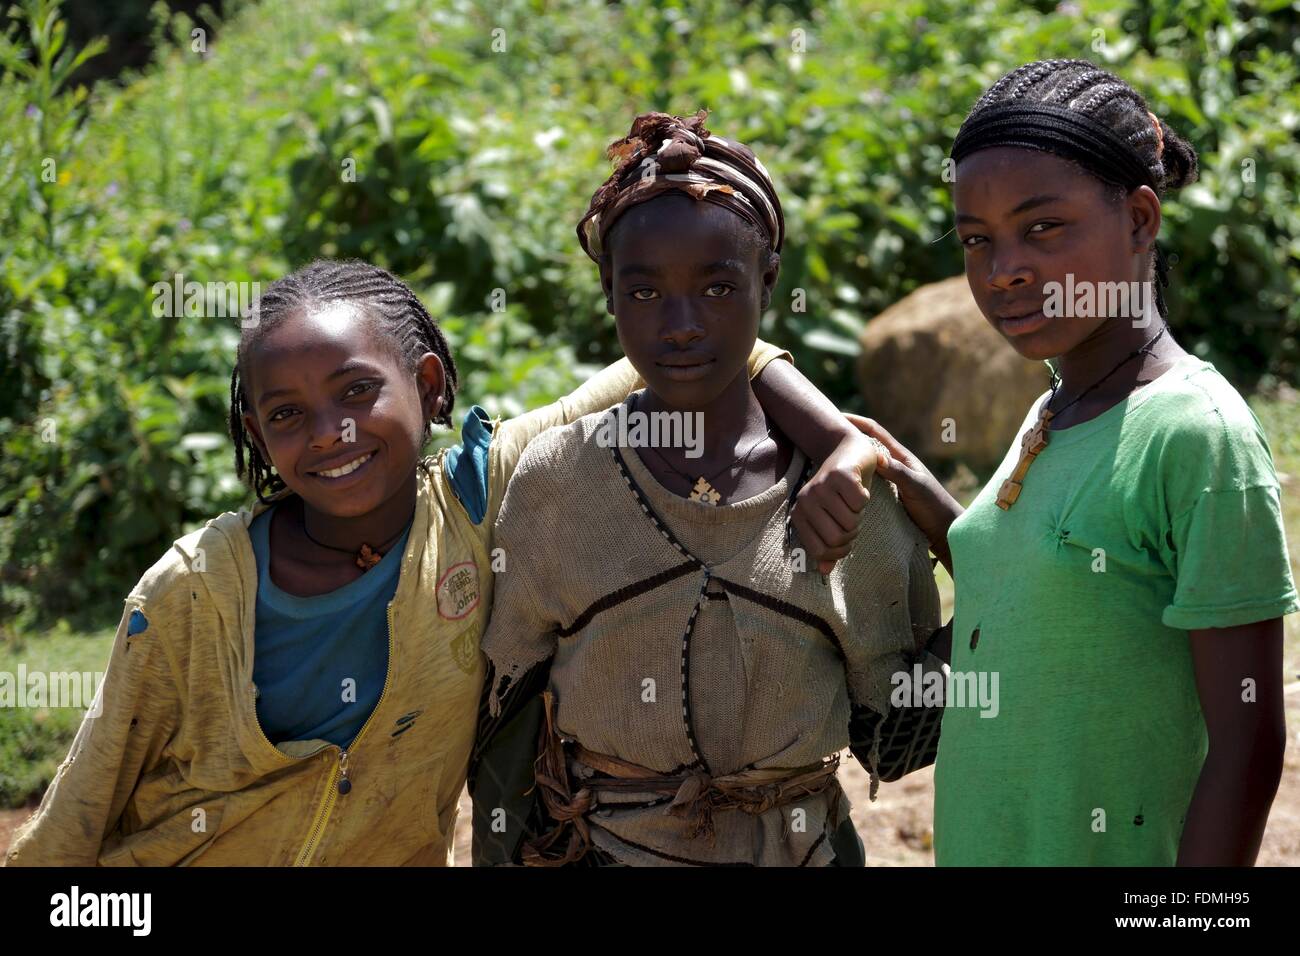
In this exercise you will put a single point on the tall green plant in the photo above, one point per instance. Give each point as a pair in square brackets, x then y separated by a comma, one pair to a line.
[458, 143]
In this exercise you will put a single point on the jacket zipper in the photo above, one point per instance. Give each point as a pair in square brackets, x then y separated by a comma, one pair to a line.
[340, 783]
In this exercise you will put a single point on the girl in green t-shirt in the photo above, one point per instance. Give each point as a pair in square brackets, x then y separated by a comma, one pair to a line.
[1121, 580]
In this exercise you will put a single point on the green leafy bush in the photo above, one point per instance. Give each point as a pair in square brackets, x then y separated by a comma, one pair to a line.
[458, 144]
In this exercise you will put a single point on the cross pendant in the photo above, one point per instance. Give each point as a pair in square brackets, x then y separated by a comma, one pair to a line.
[705, 493]
[1032, 444]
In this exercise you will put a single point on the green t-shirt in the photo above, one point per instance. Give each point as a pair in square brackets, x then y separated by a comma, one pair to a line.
[1158, 516]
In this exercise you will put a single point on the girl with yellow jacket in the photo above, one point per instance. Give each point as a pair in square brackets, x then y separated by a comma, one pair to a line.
[298, 683]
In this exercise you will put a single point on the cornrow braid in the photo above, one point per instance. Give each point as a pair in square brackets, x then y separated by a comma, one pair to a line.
[1103, 93]
[1082, 86]
[996, 92]
[380, 294]
[1066, 92]
[1036, 73]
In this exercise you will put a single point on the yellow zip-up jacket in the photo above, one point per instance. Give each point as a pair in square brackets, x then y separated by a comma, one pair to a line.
[175, 769]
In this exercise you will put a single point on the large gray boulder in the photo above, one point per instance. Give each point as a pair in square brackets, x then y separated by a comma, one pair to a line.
[933, 369]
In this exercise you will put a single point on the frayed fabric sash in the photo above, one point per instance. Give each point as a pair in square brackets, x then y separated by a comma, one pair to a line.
[695, 795]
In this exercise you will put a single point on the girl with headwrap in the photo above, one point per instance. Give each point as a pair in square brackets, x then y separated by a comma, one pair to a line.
[698, 675]
[1125, 570]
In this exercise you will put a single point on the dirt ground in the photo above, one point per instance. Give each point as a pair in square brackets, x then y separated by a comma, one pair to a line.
[897, 827]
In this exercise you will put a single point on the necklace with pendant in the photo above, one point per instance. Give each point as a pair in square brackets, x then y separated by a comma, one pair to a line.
[703, 490]
[366, 556]
[1035, 440]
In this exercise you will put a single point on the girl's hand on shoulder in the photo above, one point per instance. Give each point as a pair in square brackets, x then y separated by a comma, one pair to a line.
[928, 503]
[829, 506]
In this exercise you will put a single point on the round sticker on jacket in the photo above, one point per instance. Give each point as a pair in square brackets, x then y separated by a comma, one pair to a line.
[458, 591]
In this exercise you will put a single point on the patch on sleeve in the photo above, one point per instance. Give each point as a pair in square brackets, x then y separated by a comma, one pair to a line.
[138, 623]
[458, 591]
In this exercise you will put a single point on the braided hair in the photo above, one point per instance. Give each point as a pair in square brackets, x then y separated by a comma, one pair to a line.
[379, 294]
[1082, 86]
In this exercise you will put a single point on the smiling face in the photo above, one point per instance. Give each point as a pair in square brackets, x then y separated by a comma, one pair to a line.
[1026, 218]
[310, 374]
[687, 282]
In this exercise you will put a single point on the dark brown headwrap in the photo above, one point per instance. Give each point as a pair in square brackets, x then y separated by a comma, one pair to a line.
[666, 153]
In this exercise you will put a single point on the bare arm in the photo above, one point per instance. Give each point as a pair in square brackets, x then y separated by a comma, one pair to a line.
[827, 512]
[928, 503]
[1239, 679]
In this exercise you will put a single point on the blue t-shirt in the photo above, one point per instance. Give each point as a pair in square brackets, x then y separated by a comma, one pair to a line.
[466, 465]
[320, 662]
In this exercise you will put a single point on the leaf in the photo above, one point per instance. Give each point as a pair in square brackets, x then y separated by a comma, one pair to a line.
[825, 341]
[203, 441]
[383, 118]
